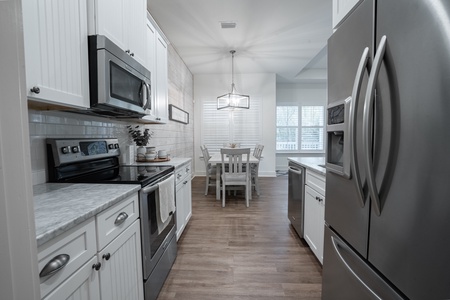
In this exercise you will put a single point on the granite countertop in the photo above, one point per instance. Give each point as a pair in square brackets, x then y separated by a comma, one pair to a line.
[175, 161]
[59, 207]
[311, 163]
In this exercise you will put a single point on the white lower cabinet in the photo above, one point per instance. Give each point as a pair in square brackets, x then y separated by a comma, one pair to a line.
[121, 266]
[183, 196]
[314, 220]
[102, 258]
[82, 285]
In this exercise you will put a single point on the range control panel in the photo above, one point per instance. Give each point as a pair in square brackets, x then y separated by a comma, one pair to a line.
[64, 151]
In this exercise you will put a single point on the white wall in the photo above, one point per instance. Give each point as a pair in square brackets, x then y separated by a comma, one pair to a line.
[18, 254]
[306, 94]
[263, 86]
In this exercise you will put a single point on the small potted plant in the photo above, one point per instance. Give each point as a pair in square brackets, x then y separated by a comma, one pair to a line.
[141, 139]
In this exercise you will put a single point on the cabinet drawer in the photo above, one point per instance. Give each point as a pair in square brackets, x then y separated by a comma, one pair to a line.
[78, 243]
[107, 229]
[182, 173]
[315, 181]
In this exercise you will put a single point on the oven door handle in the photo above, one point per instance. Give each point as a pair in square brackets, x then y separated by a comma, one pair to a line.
[150, 189]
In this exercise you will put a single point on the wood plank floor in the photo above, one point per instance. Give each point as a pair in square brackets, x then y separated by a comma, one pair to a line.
[242, 253]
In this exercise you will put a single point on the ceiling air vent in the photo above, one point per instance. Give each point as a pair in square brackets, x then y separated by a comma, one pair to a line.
[227, 25]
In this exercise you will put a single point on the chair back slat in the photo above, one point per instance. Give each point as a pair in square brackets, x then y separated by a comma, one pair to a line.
[237, 159]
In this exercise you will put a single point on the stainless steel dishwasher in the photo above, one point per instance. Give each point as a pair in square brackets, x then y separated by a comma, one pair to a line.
[296, 197]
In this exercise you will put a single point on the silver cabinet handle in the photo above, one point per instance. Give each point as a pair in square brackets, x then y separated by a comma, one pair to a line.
[352, 124]
[54, 265]
[367, 125]
[337, 246]
[120, 218]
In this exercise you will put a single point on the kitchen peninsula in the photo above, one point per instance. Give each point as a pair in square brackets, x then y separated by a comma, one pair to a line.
[307, 210]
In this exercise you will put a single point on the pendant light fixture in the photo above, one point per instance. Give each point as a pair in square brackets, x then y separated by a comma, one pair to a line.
[233, 100]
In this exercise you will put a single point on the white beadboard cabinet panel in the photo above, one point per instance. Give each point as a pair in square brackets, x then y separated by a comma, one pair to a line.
[56, 51]
[123, 22]
[121, 274]
[83, 285]
[314, 221]
[340, 10]
[162, 88]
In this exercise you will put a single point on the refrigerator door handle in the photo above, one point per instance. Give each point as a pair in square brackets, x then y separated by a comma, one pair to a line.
[352, 124]
[337, 245]
[367, 125]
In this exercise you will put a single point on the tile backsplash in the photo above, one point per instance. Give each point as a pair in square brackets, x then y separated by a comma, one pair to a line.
[175, 138]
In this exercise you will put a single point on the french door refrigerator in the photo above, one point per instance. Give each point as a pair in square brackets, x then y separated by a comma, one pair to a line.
[387, 217]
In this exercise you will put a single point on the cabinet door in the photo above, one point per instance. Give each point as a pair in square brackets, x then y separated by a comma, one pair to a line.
[121, 270]
[56, 58]
[162, 93]
[187, 199]
[123, 22]
[314, 221]
[151, 65]
[135, 22]
[340, 10]
[82, 285]
[110, 21]
[179, 197]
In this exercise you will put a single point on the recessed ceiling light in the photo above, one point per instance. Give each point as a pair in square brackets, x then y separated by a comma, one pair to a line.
[227, 25]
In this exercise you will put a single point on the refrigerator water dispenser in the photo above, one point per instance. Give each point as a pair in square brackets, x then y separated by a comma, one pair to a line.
[338, 130]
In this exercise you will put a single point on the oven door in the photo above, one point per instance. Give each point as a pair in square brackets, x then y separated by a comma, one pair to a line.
[155, 235]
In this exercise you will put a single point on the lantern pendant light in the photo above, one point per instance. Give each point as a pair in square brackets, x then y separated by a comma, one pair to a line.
[233, 99]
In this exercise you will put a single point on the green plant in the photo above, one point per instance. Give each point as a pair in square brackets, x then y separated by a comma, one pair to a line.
[141, 138]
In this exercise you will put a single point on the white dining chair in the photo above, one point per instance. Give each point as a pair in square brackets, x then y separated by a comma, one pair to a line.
[257, 152]
[235, 170]
[210, 170]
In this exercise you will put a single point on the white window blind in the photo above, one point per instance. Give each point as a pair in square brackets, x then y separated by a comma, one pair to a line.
[300, 128]
[312, 127]
[287, 127]
[241, 126]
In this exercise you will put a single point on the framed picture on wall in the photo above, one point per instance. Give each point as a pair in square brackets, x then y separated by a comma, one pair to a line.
[178, 115]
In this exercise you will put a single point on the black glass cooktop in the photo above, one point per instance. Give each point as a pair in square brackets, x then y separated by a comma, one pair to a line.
[143, 175]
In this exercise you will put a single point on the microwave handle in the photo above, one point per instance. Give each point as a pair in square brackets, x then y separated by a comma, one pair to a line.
[146, 96]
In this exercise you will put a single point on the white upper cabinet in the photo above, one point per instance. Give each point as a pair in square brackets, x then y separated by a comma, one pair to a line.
[340, 10]
[56, 51]
[162, 89]
[123, 22]
[157, 63]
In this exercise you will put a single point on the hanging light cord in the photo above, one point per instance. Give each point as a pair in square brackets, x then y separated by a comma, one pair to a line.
[232, 71]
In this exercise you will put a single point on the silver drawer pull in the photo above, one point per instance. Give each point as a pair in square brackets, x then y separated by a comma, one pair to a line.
[121, 218]
[54, 265]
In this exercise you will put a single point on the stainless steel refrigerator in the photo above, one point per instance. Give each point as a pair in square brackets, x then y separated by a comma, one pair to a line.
[387, 216]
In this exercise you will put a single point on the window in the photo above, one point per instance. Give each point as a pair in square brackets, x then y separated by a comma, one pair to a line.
[238, 126]
[300, 128]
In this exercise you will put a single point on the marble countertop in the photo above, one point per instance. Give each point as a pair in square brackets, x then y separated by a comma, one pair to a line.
[311, 163]
[59, 207]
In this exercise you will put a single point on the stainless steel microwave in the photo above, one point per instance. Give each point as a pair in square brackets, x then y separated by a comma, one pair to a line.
[119, 85]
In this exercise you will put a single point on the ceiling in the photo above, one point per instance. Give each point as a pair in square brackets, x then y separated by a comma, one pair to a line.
[285, 37]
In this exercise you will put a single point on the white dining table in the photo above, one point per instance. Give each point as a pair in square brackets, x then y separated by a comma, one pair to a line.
[216, 159]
